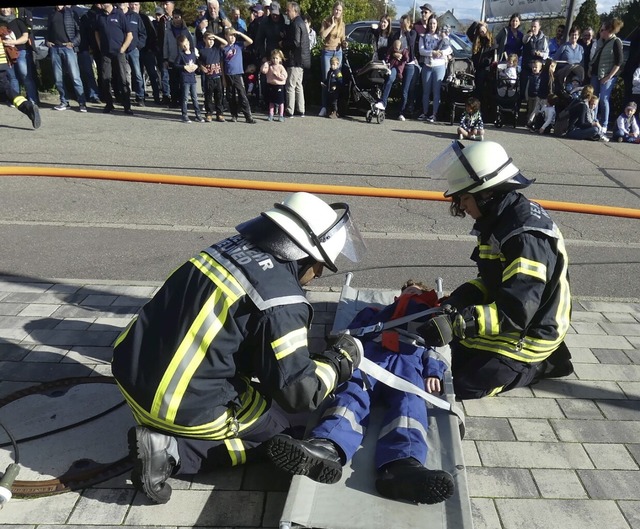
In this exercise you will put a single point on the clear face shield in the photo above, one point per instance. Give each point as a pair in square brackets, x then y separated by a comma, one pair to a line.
[343, 229]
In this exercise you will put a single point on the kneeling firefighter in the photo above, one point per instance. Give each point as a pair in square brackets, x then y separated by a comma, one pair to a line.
[508, 324]
[233, 313]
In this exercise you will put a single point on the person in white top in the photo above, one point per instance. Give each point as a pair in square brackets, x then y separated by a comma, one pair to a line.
[434, 49]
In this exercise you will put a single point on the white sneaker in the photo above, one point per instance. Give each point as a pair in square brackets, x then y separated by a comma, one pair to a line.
[431, 119]
[604, 138]
[422, 117]
[379, 105]
[401, 117]
[472, 137]
[460, 137]
[481, 138]
[323, 112]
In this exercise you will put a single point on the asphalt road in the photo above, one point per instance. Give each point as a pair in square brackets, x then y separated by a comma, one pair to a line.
[70, 228]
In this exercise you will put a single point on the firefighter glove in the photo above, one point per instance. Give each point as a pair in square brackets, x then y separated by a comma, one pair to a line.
[344, 356]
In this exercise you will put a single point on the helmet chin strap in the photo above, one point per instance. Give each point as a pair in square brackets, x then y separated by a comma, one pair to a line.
[489, 204]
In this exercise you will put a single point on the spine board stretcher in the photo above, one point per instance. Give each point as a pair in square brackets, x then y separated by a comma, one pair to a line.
[353, 502]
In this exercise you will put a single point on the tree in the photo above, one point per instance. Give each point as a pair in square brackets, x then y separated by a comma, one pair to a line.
[588, 16]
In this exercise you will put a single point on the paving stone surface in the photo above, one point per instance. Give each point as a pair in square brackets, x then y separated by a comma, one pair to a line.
[563, 453]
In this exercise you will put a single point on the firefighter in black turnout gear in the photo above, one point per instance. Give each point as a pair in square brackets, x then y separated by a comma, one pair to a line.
[508, 324]
[187, 364]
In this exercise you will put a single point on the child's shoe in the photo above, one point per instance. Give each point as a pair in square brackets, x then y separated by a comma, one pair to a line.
[200, 120]
[185, 119]
[270, 118]
[281, 119]
[333, 115]
[220, 118]
[472, 137]
[234, 118]
[460, 137]
[209, 119]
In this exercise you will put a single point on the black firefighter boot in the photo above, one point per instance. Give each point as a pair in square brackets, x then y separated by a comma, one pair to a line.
[154, 457]
[556, 366]
[32, 111]
[406, 479]
[318, 459]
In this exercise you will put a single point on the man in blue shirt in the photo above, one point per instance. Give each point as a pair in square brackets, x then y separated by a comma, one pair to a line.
[139, 33]
[114, 35]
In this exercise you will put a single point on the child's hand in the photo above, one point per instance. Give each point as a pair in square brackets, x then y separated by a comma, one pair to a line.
[432, 385]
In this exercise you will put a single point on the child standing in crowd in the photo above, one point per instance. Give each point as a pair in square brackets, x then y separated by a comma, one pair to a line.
[594, 100]
[234, 68]
[186, 62]
[533, 87]
[210, 62]
[471, 124]
[276, 79]
[333, 84]
[547, 116]
[627, 126]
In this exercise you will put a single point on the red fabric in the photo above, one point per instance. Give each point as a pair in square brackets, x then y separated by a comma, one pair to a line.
[390, 339]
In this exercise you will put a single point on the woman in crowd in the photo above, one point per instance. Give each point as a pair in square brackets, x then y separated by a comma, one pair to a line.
[434, 50]
[509, 39]
[483, 54]
[381, 39]
[605, 66]
[408, 36]
[332, 38]
[570, 52]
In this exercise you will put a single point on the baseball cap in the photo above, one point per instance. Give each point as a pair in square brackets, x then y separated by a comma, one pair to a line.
[275, 8]
[257, 8]
[159, 11]
[266, 3]
[201, 8]
[426, 6]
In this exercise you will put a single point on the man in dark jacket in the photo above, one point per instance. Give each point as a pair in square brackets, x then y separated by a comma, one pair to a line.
[296, 48]
[88, 53]
[170, 54]
[236, 312]
[139, 32]
[63, 40]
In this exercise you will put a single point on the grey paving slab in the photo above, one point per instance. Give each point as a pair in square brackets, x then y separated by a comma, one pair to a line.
[630, 389]
[488, 429]
[583, 355]
[587, 328]
[634, 450]
[620, 317]
[469, 452]
[612, 356]
[622, 329]
[98, 300]
[578, 389]
[88, 355]
[46, 353]
[199, 507]
[27, 323]
[102, 506]
[595, 341]
[577, 431]
[77, 324]
[567, 514]
[14, 352]
[557, 484]
[10, 286]
[581, 316]
[485, 515]
[501, 483]
[611, 484]
[607, 307]
[57, 337]
[130, 301]
[633, 355]
[627, 373]
[610, 456]
[532, 455]
[11, 309]
[506, 406]
[41, 371]
[219, 479]
[47, 510]
[580, 409]
[631, 509]
[620, 409]
[533, 430]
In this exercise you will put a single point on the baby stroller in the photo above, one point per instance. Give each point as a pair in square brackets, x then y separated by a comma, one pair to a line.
[459, 85]
[566, 78]
[365, 86]
[507, 94]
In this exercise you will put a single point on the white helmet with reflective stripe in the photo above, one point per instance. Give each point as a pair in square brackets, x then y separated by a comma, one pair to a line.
[306, 226]
[478, 167]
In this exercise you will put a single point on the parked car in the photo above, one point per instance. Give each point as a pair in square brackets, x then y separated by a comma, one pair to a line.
[362, 32]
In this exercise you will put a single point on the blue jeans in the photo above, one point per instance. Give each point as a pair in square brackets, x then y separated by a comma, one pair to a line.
[61, 56]
[149, 62]
[22, 73]
[432, 77]
[591, 133]
[190, 90]
[164, 77]
[85, 63]
[388, 84]
[603, 90]
[408, 86]
[325, 65]
[137, 82]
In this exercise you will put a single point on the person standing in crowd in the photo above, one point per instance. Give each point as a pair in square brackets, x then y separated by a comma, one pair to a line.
[276, 76]
[89, 53]
[484, 54]
[237, 22]
[509, 39]
[25, 106]
[186, 63]
[164, 17]
[535, 47]
[202, 11]
[333, 86]
[271, 32]
[421, 25]
[381, 38]
[149, 54]
[332, 38]
[313, 38]
[139, 33]
[509, 323]
[605, 66]
[234, 70]
[397, 59]
[586, 41]
[63, 39]
[114, 36]
[214, 21]
[434, 50]
[408, 38]
[234, 313]
[210, 62]
[170, 53]
[21, 73]
[570, 52]
[557, 41]
[296, 47]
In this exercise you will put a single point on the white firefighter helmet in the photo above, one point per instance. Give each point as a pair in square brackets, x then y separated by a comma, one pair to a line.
[306, 226]
[478, 167]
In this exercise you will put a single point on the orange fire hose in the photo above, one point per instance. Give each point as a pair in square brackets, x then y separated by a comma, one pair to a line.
[412, 194]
